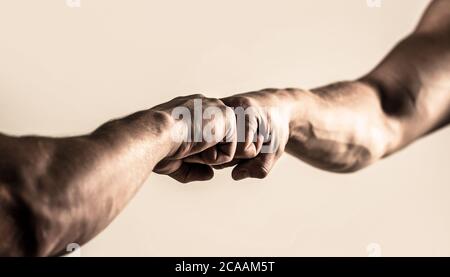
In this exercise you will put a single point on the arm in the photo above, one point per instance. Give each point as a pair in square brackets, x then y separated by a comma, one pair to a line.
[349, 125]
[56, 191]
[346, 126]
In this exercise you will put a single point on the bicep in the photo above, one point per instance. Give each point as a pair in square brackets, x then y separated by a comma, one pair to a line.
[414, 78]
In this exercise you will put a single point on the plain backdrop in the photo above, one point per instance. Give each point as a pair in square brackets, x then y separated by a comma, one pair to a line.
[64, 71]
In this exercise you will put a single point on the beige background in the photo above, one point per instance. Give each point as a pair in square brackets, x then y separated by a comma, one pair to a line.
[64, 71]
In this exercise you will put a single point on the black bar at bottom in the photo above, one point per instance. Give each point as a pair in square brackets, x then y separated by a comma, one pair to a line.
[213, 266]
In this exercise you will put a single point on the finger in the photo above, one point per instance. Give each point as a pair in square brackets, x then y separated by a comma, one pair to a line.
[247, 125]
[247, 136]
[258, 167]
[223, 151]
[251, 150]
[259, 143]
[227, 149]
[204, 157]
[167, 166]
[188, 172]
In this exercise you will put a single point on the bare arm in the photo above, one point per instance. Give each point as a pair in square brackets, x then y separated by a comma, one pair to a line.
[347, 126]
[57, 191]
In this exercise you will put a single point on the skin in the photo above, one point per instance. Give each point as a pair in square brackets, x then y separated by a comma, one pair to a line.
[56, 191]
[346, 126]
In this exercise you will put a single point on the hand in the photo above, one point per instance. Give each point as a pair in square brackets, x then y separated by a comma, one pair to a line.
[203, 129]
[263, 119]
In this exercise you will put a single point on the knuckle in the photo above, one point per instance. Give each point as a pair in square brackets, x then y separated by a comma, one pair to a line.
[245, 152]
[246, 101]
[248, 153]
[229, 110]
[270, 90]
[216, 103]
[230, 115]
[230, 101]
[290, 89]
[197, 95]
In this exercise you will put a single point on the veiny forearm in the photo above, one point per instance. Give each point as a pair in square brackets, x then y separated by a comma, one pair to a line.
[67, 190]
[349, 125]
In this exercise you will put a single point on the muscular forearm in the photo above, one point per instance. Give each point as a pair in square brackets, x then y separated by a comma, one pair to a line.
[63, 191]
[341, 127]
[346, 126]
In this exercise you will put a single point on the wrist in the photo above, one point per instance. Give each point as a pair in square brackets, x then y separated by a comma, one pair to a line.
[297, 104]
[172, 131]
[150, 129]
